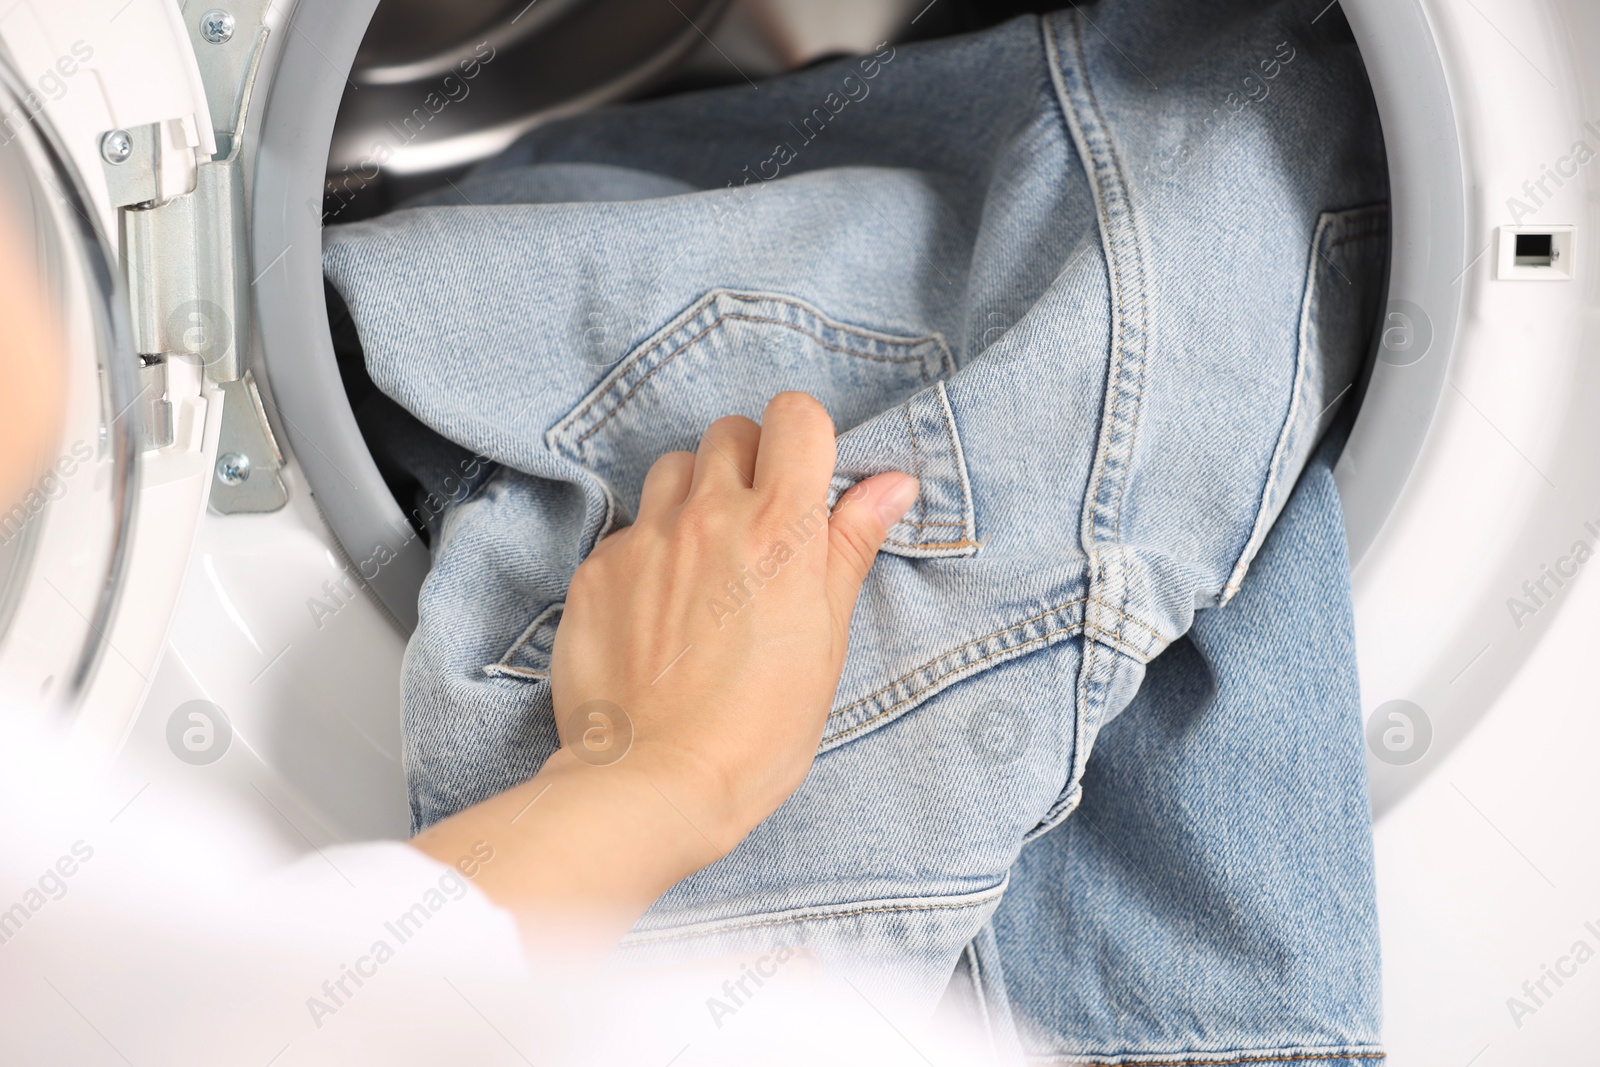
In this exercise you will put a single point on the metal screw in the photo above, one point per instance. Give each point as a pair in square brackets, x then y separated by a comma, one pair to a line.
[233, 468]
[216, 26]
[115, 147]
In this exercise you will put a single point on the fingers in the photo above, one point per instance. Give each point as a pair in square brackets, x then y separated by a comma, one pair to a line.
[796, 454]
[855, 533]
[667, 484]
[727, 455]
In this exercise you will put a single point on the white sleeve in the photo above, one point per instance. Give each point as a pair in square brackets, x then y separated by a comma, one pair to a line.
[122, 944]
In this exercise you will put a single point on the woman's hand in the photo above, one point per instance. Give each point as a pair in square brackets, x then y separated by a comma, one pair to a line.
[717, 623]
[693, 670]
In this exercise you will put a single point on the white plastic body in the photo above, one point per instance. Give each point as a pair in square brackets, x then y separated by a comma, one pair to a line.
[1486, 868]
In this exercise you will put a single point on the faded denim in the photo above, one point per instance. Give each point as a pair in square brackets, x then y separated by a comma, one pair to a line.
[1212, 899]
[1099, 285]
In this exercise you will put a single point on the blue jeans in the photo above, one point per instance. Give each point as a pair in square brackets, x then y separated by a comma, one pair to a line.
[1100, 286]
[1212, 898]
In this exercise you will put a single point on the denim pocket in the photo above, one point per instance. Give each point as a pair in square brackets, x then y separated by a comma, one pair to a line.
[528, 657]
[1345, 276]
[730, 352]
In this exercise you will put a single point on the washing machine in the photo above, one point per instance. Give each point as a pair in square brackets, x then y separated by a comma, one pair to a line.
[211, 587]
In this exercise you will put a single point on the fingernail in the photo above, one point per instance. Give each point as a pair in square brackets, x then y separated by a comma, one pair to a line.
[896, 499]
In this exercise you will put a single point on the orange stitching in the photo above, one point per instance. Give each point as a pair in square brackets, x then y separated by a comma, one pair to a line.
[1144, 341]
[647, 939]
[1147, 628]
[934, 544]
[1085, 672]
[1000, 633]
[743, 318]
[1092, 169]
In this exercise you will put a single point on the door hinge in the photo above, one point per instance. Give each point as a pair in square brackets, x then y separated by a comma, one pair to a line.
[187, 256]
[186, 263]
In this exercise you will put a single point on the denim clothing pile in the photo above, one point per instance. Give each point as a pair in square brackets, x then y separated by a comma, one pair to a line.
[1211, 899]
[1099, 279]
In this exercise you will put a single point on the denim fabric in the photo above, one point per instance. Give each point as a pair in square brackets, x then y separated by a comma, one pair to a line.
[1212, 899]
[1098, 285]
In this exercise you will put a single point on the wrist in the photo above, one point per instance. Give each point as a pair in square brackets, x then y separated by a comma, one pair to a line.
[685, 795]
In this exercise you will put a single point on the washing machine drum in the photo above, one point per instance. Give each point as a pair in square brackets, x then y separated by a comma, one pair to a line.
[300, 123]
[404, 112]
[349, 95]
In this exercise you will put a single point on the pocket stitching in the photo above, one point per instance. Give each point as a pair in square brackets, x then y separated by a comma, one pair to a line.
[968, 516]
[1140, 654]
[933, 685]
[937, 339]
[957, 455]
[916, 463]
[703, 334]
[501, 670]
[503, 667]
[920, 694]
[816, 913]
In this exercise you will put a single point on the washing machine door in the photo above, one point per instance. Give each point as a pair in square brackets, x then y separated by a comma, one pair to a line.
[73, 424]
[115, 368]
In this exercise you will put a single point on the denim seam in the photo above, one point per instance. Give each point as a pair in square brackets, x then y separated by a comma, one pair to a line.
[918, 695]
[916, 464]
[1064, 806]
[1140, 655]
[561, 438]
[690, 932]
[503, 665]
[1157, 1059]
[979, 997]
[963, 543]
[501, 670]
[698, 308]
[1336, 228]
[1086, 520]
[969, 515]
[1115, 234]
[951, 466]
[966, 668]
[958, 649]
[703, 334]
[1286, 432]
[1103, 169]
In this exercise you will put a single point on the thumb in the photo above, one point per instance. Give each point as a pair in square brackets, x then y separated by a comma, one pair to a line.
[855, 532]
